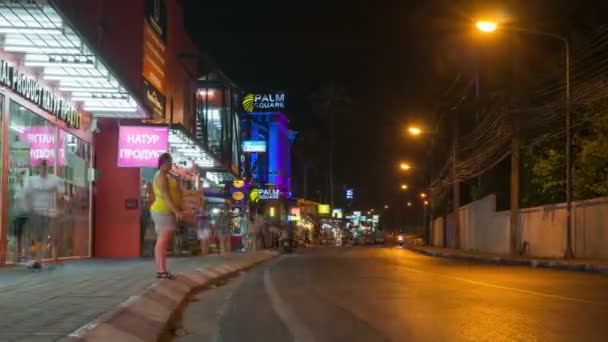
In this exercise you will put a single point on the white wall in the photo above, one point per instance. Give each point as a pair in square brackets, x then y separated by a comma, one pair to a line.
[483, 229]
[437, 234]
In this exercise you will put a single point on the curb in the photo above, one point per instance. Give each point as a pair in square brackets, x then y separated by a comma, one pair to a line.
[536, 263]
[146, 316]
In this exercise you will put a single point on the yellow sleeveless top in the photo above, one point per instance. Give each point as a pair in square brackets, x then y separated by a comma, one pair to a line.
[160, 205]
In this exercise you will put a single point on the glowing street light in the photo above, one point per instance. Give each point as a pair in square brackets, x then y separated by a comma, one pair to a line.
[426, 203]
[386, 206]
[486, 26]
[422, 195]
[409, 204]
[405, 166]
[413, 130]
[403, 186]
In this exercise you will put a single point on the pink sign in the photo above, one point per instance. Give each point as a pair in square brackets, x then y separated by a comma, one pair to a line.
[140, 146]
[41, 140]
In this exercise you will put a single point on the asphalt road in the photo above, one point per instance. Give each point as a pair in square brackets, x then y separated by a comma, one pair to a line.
[392, 294]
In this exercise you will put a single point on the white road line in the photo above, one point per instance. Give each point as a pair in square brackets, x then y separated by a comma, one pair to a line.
[534, 293]
[296, 327]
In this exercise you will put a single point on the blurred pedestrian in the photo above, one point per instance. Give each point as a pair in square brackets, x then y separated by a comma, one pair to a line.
[20, 214]
[42, 194]
[165, 211]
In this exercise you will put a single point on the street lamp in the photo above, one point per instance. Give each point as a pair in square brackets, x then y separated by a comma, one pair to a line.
[413, 130]
[405, 166]
[489, 26]
[404, 186]
[486, 26]
[422, 195]
[386, 206]
[409, 204]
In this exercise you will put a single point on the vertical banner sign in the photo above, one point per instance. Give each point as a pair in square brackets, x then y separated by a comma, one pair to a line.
[154, 56]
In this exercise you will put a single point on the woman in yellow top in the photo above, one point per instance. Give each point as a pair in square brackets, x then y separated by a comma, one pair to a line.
[164, 211]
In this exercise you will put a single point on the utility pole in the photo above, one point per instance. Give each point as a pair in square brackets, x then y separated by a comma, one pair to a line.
[331, 153]
[456, 185]
[569, 252]
[515, 156]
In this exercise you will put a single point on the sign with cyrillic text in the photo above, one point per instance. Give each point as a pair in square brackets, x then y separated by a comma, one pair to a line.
[140, 146]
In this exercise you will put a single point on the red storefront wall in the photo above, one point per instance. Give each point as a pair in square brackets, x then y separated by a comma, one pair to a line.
[115, 29]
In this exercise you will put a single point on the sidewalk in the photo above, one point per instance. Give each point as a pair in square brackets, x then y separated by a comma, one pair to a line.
[586, 265]
[51, 304]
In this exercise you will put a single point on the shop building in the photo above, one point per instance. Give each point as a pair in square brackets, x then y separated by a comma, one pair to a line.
[218, 127]
[147, 46]
[267, 142]
[54, 86]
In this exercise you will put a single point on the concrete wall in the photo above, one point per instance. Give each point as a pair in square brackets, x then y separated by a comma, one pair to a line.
[437, 233]
[542, 228]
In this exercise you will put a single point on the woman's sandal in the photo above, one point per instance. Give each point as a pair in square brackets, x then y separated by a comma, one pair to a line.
[165, 275]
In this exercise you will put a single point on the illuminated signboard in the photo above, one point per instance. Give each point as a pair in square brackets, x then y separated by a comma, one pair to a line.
[264, 102]
[376, 218]
[324, 209]
[294, 214]
[254, 146]
[350, 194]
[269, 194]
[336, 213]
[41, 140]
[140, 146]
[30, 89]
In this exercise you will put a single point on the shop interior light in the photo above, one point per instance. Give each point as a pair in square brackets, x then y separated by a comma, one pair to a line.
[110, 109]
[59, 64]
[35, 49]
[38, 34]
[206, 92]
[99, 97]
[17, 128]
[31, 30]
[64, 77]
[109, 89]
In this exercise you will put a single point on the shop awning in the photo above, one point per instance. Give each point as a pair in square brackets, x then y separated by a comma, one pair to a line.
[187, 150]
[37, 35]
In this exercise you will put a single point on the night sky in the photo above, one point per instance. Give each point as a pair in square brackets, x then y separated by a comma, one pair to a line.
[393, 57]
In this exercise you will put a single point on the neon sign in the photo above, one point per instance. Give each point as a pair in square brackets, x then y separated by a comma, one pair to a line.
[264, 102]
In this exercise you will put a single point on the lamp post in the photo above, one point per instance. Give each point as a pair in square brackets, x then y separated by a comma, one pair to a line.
[489, 26]
[417, 131]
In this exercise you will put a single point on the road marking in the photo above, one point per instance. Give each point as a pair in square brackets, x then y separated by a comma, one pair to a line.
[296, 327]
[534, 293]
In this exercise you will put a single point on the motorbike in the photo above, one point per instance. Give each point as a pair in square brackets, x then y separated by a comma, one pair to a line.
[400, 240]
[286, 245]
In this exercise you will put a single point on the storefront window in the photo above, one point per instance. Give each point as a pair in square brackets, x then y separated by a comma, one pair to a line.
[48, 210]
[210, 106]
[73, 165]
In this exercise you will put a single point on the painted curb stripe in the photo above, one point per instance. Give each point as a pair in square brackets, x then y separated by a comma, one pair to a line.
[144, 317]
